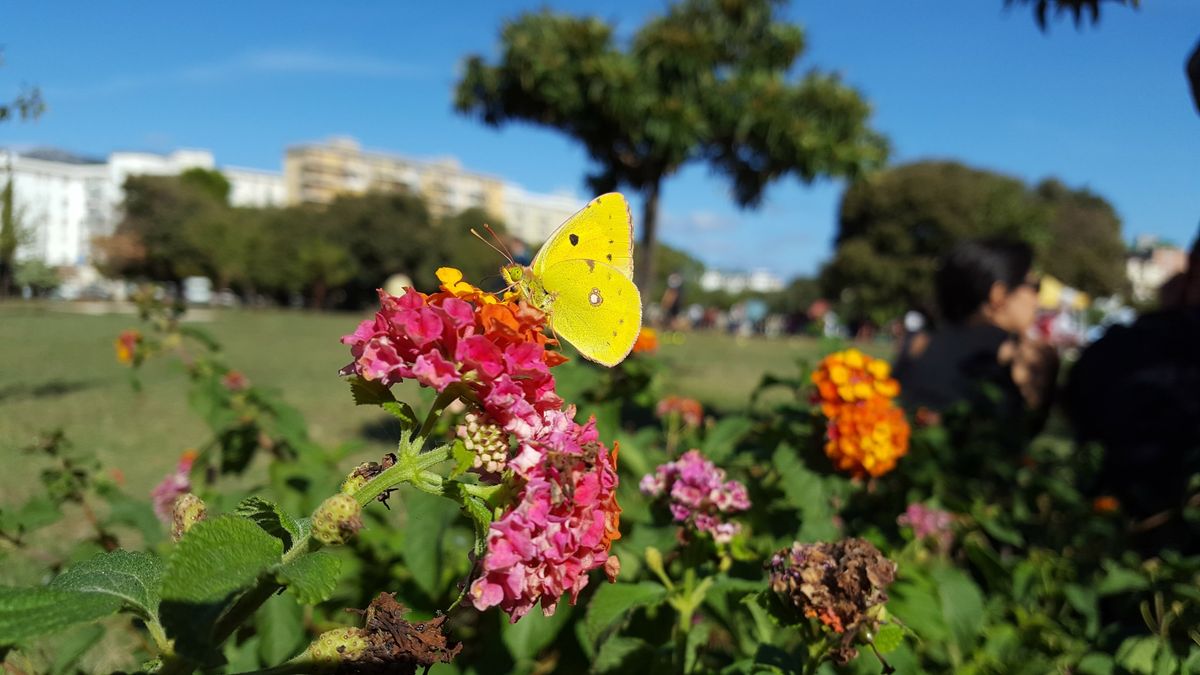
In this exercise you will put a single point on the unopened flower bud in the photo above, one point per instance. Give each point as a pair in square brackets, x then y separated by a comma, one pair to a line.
[186, 512]
[337, 519]
[488, 441]
[337, 646]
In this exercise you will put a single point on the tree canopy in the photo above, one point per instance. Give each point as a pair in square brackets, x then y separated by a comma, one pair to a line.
[893, 227]
[332, 255]
[708, 81]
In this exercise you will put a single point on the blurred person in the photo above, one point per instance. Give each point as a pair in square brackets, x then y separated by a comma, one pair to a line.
[1136, 392]
[983, 353]
[672, 300]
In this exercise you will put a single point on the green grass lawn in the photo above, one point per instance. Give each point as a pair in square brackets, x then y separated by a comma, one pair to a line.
[58, 370]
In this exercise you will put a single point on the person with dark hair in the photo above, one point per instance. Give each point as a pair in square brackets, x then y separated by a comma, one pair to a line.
[1136, 391]
[982, 353]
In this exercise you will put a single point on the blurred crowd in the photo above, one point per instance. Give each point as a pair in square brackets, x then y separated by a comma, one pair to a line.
[1134, 391]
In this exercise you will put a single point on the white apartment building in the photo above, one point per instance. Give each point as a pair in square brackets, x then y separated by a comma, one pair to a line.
[533, 217]
[759, 280]
[255, 187]
[63, 201]
[319, 172]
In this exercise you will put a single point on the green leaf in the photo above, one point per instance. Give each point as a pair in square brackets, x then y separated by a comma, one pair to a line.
[312, 577]
[70, 648]
[280, 626]
[962, 605]
[697, 636]
[403, 412]
[624, 655]
[721, 440]
[217, 559]
[133, 578]
[534, 632]
[613, 601]
[30, 612]
[889, 638]
[270, 518]
[807, 493]
[1137, 654]
[464, 459]
[369, 392]
[1121, 580]
[428, 519]
[1095, 664]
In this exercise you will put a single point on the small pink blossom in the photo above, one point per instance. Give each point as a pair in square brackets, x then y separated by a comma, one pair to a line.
[172, 486]
[699, 494]
[929, 523]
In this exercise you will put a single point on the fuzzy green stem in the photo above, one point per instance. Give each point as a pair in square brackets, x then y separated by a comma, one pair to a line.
[409, 468]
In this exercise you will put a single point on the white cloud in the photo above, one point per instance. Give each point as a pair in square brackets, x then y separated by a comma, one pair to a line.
[270, 62]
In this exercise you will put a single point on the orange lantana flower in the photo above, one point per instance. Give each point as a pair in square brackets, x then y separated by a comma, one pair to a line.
[866, 432]
[647, 341]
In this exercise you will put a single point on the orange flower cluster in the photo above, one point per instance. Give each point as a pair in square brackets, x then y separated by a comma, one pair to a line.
[647, 341]
[866, 431]
[504, 318]
[689, 410]
[127, 346]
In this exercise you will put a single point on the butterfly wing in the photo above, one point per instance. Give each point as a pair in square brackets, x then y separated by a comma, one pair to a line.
[595, 307]
[601, 231]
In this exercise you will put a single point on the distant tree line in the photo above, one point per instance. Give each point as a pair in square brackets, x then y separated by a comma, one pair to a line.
[332, 255]
[893, 227]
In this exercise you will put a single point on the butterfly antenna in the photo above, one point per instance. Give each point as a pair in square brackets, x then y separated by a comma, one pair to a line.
[507, 253]
[503, 252]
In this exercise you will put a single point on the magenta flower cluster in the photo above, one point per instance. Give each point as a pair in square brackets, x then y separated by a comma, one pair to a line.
[562, 525]
[699, 494]
[439, 340]
[564, 516]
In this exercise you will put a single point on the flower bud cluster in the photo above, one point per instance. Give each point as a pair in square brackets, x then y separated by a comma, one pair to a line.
[487, 441]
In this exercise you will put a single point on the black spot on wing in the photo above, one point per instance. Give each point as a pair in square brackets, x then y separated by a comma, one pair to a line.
[609, 257]
[591, 264]
[574, 239]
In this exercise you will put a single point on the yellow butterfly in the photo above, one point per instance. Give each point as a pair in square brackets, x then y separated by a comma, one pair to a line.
[582, 279]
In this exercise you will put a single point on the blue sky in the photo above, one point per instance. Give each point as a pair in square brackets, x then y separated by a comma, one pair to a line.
[1104, 107]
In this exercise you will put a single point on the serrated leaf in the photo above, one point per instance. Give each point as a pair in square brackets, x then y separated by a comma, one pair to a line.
[280, 626]
[403, 412]
[30, 612]
[527, 637]
[464, 459]
[216, 560]
[369, 392]
[613, 601]
[889, 638]
[134, 578]
[270, 518]
[312, 577]
[807, 493]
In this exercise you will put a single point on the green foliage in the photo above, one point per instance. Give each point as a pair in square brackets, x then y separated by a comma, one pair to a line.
[894, 226]
[312, 576]
[706, 81]
[38, 276]
[1085, 250]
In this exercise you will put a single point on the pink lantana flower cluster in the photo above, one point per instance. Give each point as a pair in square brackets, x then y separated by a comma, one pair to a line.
[929, 523]
[564, 516]
[174, 484]
[441, 339]
[699, 494]
[562, 524]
